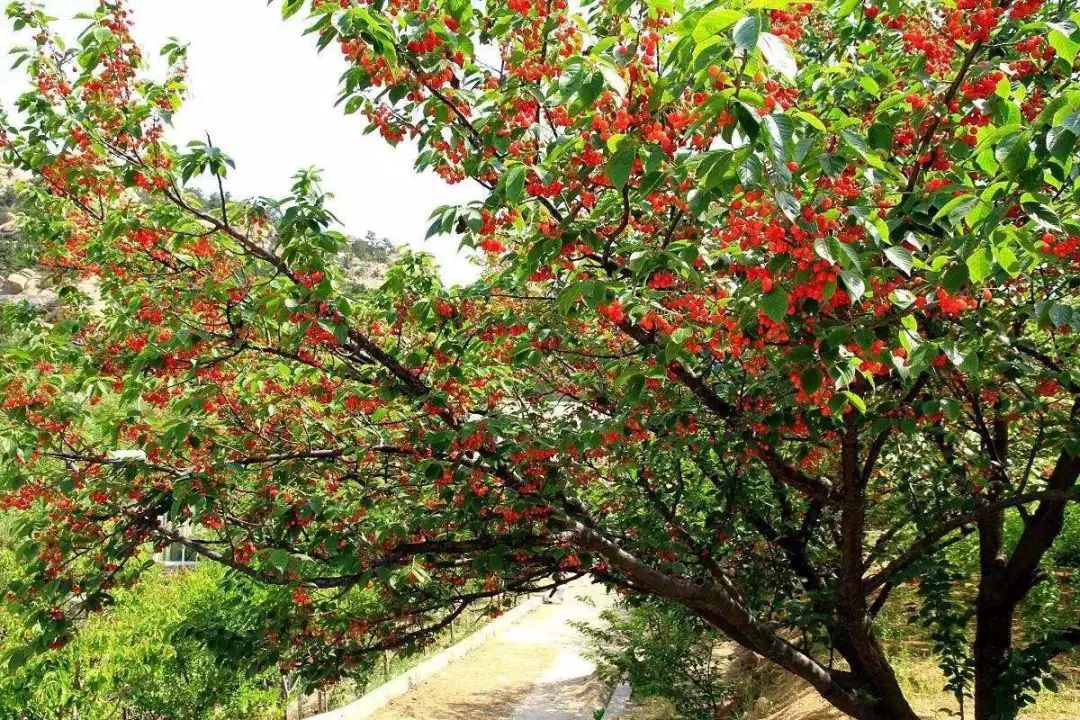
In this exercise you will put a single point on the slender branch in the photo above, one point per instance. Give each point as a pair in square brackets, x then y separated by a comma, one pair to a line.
[928, 542]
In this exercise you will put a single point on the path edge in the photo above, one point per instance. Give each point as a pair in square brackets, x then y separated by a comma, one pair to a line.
[618, 703]
[378, 698]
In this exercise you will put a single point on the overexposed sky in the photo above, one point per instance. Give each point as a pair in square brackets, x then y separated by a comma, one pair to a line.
[267, 99]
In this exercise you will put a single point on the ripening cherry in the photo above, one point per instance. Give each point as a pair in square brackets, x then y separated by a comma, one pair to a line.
[612, 311]
[1048, 388]
[492, 245]
[662, 280]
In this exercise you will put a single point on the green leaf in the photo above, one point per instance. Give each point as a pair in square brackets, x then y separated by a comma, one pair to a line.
[746, 33]
[591, 89]
[952, 409]
[780, 129]
[854, 139]
[821, 247]
[778, 55]
[353, 104]
[811, 379]
[279, 559]
[955, 354]
[621, 164]
[857, 402]
[718, 169]
[788, 204]
[858, 144]
[902, 298]
[870, 85]
[954, 278]
[612, 76]
[847, 7]
[956, 208]
[748, 122]
[856, 285]
[1060, 141]
[775, 305]
[103, 35]
[514, 183]
[980, 264]
[1060, 38]
[1060, 315]
[811, 120]
[591, 290]
[1013, 155]
[900, 257]
[881, 137]
[715, 21]
[290, 8]
[18, 656]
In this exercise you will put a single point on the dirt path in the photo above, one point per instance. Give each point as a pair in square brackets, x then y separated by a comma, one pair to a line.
[533, 670]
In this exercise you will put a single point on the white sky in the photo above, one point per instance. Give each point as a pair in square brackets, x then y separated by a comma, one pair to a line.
[267, 98]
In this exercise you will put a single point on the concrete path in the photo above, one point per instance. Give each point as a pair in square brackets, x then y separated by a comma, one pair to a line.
[533, 670]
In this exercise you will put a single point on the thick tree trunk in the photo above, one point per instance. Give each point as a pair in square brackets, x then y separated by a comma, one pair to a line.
[1004, 584]
[993, 643]
[783, 655]
[869, 663]
[719, 607]
[993, 618]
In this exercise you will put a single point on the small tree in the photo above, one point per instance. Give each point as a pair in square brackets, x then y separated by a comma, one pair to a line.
[779, 307]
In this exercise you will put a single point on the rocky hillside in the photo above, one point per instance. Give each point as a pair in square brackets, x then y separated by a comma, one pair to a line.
[364, 260]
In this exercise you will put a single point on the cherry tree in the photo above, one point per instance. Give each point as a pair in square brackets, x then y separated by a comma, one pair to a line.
[776, 323]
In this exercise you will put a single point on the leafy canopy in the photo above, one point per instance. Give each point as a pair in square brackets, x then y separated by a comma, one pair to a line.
[779, 302]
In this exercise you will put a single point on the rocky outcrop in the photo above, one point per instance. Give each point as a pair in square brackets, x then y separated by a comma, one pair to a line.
[28, 286]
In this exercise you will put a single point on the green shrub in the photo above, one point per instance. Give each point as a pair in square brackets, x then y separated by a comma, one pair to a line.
[132, 662]
[662, 652]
